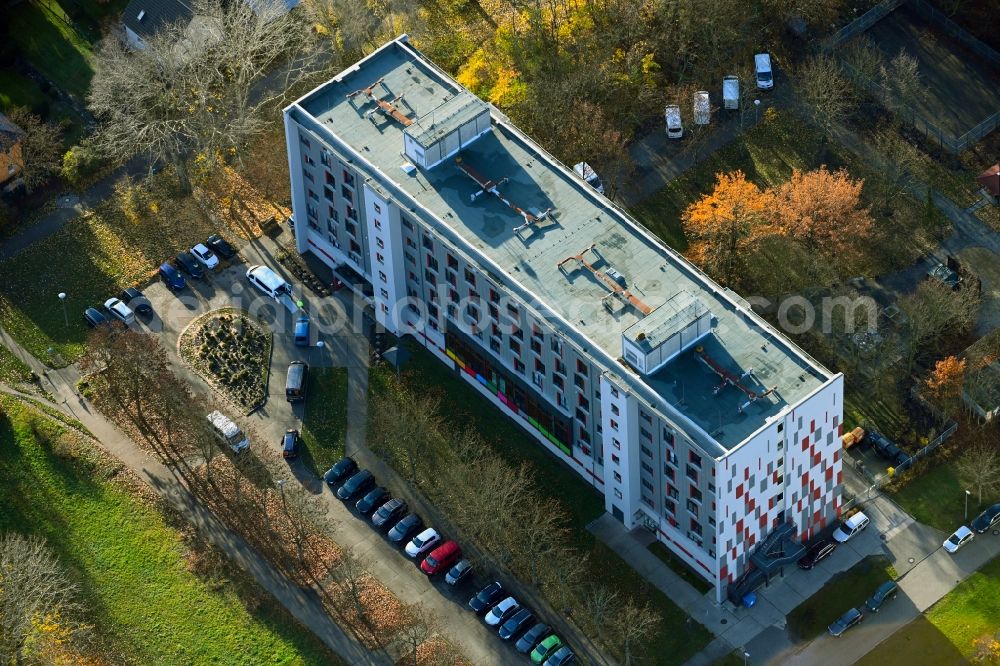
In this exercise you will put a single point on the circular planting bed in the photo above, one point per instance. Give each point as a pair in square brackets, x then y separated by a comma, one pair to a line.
[232, 352]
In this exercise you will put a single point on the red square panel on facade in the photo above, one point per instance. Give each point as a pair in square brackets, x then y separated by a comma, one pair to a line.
[840, 478]
[812, 426]
[763, 521]
[805, 443]
[739, 491]
[829, 473]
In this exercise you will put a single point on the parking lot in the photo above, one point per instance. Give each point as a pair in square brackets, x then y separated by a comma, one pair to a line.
[333, 322]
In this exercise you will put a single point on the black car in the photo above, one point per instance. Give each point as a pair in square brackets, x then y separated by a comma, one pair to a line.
[290, 444]
[407, 526]
[845, 622]
[376, 497]
[886, 448]
[340, 471]
[986, 519]
[532, 637]
[389, 513]
[356, 485]
[94, 318]
[189, 265]
[136, 300]
[220, 246]
[883, 593]
[816, 553]
[487, 597]
[517, 623]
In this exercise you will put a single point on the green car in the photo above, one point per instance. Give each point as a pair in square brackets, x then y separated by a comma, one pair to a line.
[546, 649]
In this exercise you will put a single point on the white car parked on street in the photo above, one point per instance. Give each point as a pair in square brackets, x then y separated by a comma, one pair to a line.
[205, 256]
[423, 542]
[120, 311]
[962, 536]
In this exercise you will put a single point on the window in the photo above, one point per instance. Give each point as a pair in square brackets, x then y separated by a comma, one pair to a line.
[617, 476]
[385, 294]
[581, 416]
[518, 333]
[406, 222]
[495, 345]
[647, 485]
[378, 209]
[432, 263]
[452, 261]
[380, 243]
[669, 472]
[670, 506]
[351, 213]
[430, 278]
[618, 493]
[648, 436]
[329, 177]
[513, 311]
[378, 223]
[614, 424]
[694, 459]
[348, 178]
[615, 459]
[694, 493]
[672, 492]
[312, 195]
[539, 366]
[557, 346]
[696, 528]
[518, 366]
[514, 345]
[558, 381]
[580, 382]
[646, 452]
[614, 392]
[615, 410]
[494, 296]
[645, 417]
[379, 258]
[647, 467]
[582, 401]
[427, 243]
[305, 141]
[536, 347]
[668, 437]
[693, 508]
[346, 193]
[382, 276]
[692, 473]
[581, 367]
[453, 296]
[450, 277]
[560, 367]
[328, 194]
[470, 277]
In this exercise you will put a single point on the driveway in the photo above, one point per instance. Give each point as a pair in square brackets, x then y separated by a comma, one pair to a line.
[344, 347]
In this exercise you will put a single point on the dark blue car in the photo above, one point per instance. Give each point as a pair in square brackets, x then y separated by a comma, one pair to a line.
[171, 277]
[302, 332]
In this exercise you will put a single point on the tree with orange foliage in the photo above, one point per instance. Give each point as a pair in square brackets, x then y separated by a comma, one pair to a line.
[944, 385]
[822, 210]
[725, 223]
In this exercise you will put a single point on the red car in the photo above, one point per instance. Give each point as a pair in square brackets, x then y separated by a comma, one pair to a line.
[441, 558]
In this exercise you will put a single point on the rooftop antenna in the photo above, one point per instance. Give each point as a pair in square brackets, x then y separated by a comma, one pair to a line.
[617, 290]
[388, 108]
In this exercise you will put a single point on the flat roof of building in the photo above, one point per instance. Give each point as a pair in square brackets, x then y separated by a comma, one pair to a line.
[579, 218]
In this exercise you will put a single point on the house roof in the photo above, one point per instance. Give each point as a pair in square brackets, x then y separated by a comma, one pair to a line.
[990, 179]
[154, 15]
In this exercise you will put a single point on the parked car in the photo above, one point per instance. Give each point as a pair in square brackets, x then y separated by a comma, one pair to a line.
[987, 519]
[388, 513]
[562, 656]
[546, 649]
[423, 542]
[205, 257]
[850, 527]
[94, 318]
[295, 381]
[189, 265]
[117, 308]
[846, 621]
[269, 282]
[340, 471]
[407, 526]
[458, 573]
[172, 277]
[886, 448]
[375, 497]
[816, 553]
[227, 432]
[220, 246]
[762, 69]
[502, 611]
[441, 558]
[962, 536]
[136, 300]
[532, 637]
[486, 597]
[883, 593]
[290, 444]
[517, 623]
[357, 484]
[301, 332]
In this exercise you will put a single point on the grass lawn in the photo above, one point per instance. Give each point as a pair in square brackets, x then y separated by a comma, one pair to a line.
[146, 606]
[766, 153]
[12, 369]
[56, 45]
[946, 632]
[864, 404]
[324, 424]
[91, 259]
[678, 637]
[15, 90]
[937, 497]
[679, 567]
[845, 590]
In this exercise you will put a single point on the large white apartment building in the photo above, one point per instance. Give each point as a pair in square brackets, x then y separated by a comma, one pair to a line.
[690, 414]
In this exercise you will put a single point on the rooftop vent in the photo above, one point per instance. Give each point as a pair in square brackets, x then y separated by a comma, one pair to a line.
[388, 109]
[653, 341]
[142, 15]
[490, 186]
[610, 278]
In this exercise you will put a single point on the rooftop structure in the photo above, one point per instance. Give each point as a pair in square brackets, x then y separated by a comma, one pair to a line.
[656, 295]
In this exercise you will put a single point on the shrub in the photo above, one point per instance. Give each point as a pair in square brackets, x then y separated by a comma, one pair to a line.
[81, 164]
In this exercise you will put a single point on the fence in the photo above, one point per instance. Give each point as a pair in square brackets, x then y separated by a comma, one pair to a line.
[860, 24]
[940, 20]
[927, 450]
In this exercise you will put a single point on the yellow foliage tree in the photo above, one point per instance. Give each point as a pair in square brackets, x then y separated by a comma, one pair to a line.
[723, 224]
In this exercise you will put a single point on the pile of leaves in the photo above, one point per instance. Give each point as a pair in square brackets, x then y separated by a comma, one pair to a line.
[436, 651]
[369, 608]
[232, 352]
[229, 197]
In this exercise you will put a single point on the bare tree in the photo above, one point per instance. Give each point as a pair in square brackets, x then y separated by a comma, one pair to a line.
[901, 80]
[202, 89]
[827, 96]
[934, 311]
[40, 146]
[418, 627]
[980, 468]
[34, 588]
[897, 161]
[602, 605]
[633, 624]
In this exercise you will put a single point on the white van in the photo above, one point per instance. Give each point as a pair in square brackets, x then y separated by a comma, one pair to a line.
[765, 77]
[731, 92]
[672, 116]
[702, 108]
[228, 432]
[268, 282]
